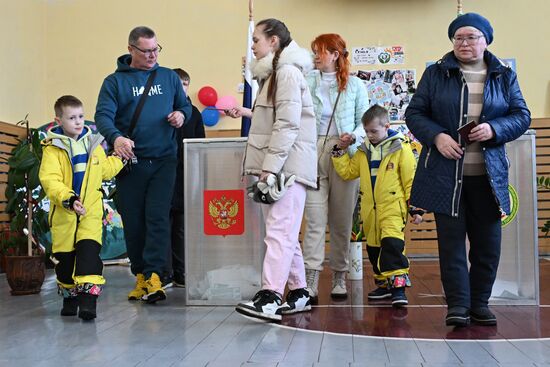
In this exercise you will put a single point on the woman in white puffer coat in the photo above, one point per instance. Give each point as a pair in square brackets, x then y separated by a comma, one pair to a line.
[281, 140]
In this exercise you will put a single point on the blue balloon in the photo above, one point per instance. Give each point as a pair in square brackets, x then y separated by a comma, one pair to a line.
[210, 116]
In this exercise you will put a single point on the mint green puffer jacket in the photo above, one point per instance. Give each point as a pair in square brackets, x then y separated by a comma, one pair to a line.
[352, 105]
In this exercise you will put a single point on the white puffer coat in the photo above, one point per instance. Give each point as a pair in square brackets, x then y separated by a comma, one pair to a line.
[283, 139]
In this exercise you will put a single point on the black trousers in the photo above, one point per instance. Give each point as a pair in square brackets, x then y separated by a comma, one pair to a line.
[84, 260]
[143, 199]
[176, 253]
[479, 218]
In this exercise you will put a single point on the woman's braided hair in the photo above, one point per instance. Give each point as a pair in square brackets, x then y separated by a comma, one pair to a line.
[274, 27]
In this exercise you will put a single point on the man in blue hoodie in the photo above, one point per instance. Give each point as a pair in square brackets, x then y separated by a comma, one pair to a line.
[144, 192]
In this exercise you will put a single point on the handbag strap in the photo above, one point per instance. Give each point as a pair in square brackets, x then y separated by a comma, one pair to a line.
[141, 102]
[328, 127]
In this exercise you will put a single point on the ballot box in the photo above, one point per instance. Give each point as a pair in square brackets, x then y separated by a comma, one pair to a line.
[517, 280]
[224, 229]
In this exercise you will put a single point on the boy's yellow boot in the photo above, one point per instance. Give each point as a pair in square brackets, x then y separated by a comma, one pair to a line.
[140, 290]
[154, 291]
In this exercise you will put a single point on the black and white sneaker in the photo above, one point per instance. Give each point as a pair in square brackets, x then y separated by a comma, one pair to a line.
[264, 306]
[166, 281]
[379, 293]
[483, 316]
[398, 297]
[457, 316]
[297, 300]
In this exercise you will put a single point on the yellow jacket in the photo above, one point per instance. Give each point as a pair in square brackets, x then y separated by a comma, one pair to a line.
[56, 176]
[384, 211]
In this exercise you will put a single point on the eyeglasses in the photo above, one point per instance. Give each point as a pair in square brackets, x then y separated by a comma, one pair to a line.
[155, 50]
[470, 40]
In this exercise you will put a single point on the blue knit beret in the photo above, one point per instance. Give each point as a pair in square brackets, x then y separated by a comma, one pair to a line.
[472, 20]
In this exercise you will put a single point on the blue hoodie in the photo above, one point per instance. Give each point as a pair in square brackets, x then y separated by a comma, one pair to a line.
[153, 135]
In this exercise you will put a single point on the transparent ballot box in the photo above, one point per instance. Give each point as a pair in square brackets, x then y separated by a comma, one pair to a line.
[224, 230]
[517, 280]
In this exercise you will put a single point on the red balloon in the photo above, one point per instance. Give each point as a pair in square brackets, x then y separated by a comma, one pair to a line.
[208, 96]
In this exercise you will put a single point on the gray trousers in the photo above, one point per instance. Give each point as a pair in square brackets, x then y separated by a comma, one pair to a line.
[332, 204]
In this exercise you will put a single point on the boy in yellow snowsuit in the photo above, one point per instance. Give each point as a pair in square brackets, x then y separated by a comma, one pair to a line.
[72, 169]
[385, 164]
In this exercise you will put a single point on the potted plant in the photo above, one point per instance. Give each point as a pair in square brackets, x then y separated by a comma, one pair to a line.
[23, 254]
[356, 244]
[11, 244]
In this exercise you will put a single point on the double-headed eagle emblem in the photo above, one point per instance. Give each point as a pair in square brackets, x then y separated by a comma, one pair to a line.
[223, 211]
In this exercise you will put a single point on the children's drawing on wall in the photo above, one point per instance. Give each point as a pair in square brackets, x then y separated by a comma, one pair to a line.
[392, 89]
[378, 55]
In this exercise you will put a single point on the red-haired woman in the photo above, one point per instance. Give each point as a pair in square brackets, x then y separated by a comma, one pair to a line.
[339, 102]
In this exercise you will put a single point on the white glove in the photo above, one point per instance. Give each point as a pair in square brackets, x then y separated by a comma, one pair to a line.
[259, 190]
[270, 181]
[278, 190]
[272, 189]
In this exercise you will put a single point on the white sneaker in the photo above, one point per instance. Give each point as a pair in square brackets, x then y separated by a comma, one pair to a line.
[312, 280]
[264, 306]
[297, 300]
[339, 289]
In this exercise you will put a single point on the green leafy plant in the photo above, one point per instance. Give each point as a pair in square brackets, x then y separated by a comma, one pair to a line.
[357, 233]
[543, 183]
[29, 221]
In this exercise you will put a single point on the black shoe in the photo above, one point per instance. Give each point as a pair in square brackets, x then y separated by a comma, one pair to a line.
[483, 316]
[264, 306]
[154, 292]
[167, 281]
[297, 300]
[70, 306]
[178, 280]
[379, 293]
[457, 316]
[398, 297]
[87, 306]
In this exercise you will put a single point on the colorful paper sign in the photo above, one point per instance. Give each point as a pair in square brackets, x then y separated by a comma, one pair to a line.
[378, 55]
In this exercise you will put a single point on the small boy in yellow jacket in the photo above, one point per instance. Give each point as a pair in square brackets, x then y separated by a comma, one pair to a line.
[73, 166]
[385, 164]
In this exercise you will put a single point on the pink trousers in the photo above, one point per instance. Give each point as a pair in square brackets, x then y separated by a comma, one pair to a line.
[283, 259]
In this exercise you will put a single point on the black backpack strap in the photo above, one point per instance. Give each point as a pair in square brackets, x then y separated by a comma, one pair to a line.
[141, 102]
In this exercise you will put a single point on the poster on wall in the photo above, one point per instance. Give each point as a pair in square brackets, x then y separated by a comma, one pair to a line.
[392, 89]
[378, 55]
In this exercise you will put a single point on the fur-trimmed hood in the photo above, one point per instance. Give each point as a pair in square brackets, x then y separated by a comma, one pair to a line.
[291, 55]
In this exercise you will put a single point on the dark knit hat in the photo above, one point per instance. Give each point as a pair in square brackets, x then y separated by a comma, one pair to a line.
[472, 20]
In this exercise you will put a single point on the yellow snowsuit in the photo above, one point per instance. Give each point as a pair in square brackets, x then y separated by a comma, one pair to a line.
[384, 210]
[68, 229]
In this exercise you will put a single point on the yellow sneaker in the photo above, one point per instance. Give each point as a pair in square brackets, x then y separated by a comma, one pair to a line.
[140, 290]
[154, 291]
